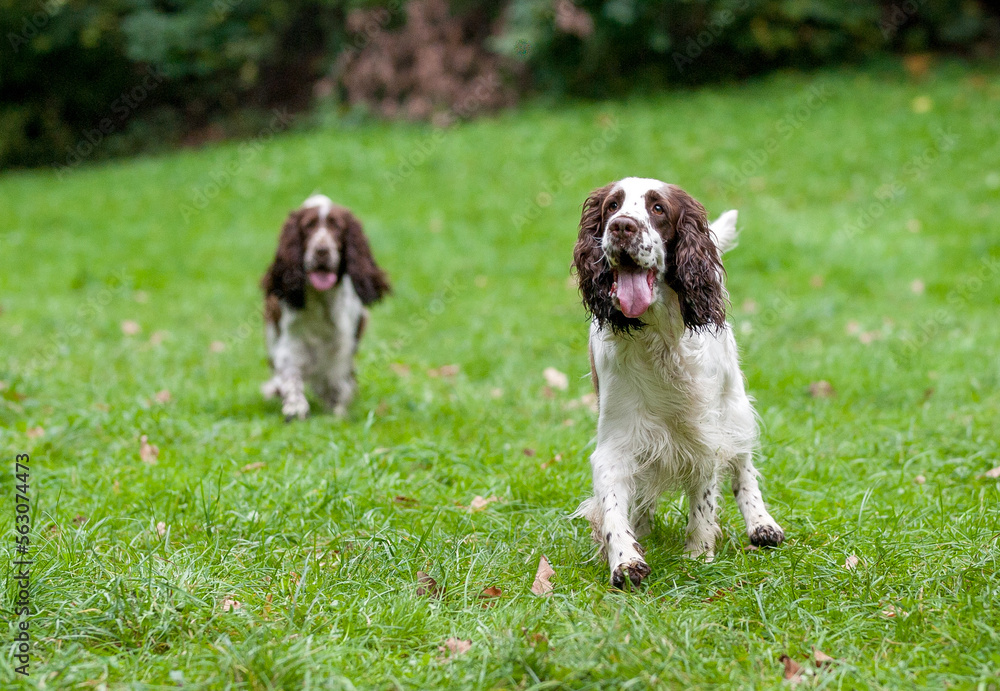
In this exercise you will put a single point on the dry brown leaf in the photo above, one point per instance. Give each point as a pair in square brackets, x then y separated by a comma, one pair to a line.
[34, 432]
[400, 499]
[555, 378]
[793, 672]
[529, 452]
[993, 474]
[162, 396]
[400, 369]
[250, 467]
[917, 64]
[231, 604]
[490, 593]
[455, 647]
[555, 459]
[427, 586]
[148, 452]
[130, 328]
[216, 346]
[892, 612]
[542, 586]
[79, 519]
[161, 528]
[479, 503]
[821, 658]
[821, 389]
[851, 562]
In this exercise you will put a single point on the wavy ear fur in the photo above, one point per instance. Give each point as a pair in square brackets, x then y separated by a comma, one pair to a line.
[286, 277]
[694, 269]
[594, 274]
[370, 281]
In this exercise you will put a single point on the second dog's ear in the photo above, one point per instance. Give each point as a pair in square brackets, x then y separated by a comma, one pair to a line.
[368, 278]
[286, 278]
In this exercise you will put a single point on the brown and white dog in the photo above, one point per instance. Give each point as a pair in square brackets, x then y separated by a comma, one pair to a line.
[673, 408]
[315, 293]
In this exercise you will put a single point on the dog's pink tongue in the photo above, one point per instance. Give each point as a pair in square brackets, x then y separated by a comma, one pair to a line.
[635, 293]
[322, 280]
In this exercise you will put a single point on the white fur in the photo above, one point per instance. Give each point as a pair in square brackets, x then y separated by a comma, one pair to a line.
[674, 413]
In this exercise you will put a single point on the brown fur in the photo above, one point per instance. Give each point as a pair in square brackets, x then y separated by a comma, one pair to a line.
[693, 267]
[285, 279]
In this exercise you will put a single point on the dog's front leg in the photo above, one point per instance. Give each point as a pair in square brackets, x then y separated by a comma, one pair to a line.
[613, 495]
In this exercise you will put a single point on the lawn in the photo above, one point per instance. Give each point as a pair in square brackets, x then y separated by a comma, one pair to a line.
[868, 259]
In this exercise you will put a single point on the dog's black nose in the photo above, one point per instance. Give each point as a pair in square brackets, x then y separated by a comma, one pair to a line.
[322, 253]
[623, 227]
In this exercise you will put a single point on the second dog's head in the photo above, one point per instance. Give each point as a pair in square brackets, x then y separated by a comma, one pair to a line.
[641, 241]
[321, 243]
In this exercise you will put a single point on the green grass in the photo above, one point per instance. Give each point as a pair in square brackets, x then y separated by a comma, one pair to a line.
[314, 543]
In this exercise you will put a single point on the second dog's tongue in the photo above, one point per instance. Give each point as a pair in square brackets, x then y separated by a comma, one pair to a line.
[322, 280]
[634, 292]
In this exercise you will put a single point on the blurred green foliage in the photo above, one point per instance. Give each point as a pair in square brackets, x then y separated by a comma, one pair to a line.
[82, 79]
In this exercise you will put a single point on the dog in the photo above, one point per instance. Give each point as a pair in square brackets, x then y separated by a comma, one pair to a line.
[672, 406]
[316, 292]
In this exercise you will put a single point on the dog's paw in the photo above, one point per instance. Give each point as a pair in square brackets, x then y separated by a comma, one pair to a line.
[295, 408]
[270, 388]
[634, 571]
[766, 535]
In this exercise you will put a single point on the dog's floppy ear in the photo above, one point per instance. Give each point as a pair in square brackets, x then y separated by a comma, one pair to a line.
[286, 277]
[594, 275]
[370, 281]
[694, 268]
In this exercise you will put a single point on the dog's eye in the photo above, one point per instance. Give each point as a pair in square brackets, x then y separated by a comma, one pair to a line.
[658, 208]
[613, 206]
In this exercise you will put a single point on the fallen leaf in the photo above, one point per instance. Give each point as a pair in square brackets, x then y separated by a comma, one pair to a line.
[920, 479]
[400, 369]
[793, 672]
[130, 328]
[400, 499]
[161, 528]
[217, 346]
[79, 519]
[427, 586]
[555, 459]
[479, 503]
[994, 474]
[34, 432]
[751, 548]
[922, 104]
[231, 604]
[821, 658]
[162, 396]
[917, 64]
[822, 389]
[529, 452]
[455, 647]
[148, 452]
[892, 612]
[542, 586]
[490, 593]
[250, 467]
[555, 378]
[851, 562]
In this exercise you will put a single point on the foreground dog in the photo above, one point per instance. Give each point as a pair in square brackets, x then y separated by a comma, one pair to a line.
[673, 409]
[315, 293]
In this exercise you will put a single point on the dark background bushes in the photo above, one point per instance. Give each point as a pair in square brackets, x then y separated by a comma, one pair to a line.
[81, 80]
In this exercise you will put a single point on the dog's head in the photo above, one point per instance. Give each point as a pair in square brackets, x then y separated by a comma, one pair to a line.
[643, 241]
[321, 243]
